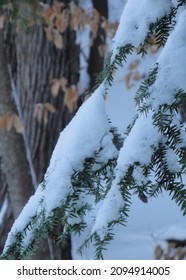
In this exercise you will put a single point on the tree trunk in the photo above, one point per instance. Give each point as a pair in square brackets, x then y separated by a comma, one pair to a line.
[13, 152]
[96, 58]
[36, 64]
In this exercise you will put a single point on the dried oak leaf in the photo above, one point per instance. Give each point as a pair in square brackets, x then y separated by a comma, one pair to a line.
[127, 79]
[57, 7]
[70, 98]
[76, 17]
[55, 87]
[17, 124]
[133, 64]
[48, 15]
[49, 107]
[62, 21]
[9, 121]
[5, 122]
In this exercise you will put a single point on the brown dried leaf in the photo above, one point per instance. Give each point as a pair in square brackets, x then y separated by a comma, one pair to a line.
[71, 98]
[62, 21]
[49, 107]
[134, 64]
[158, 252]
[55, 87]
[17, 124]
[154, 48]
[58, 39]
[102, 49]
[10, 122]
[76, 17]
[127, 78]
[48, 15]
[5, 121]
[56, 6]
[137, 76]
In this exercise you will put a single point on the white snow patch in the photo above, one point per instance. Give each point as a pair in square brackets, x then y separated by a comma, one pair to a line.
[79, 140]
[172, 161]
[171, 74]
[134, 22]
[139, 145]
[28, 211]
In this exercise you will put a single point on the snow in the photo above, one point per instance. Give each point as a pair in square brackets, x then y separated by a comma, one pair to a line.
[154, 222]
[172, 161]
[144, 137]
[112, 203]
[28, 211]
[78, 141]
[67, 155]
[134, 23]
[149, 223]
[171, 74]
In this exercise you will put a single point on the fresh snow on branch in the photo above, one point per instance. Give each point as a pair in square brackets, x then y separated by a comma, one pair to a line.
[82, 138]
[135, 21]
[91, 167]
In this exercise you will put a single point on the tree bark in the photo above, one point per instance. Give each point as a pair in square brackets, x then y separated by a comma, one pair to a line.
[96, 60]
[35, 62]
[13, 152]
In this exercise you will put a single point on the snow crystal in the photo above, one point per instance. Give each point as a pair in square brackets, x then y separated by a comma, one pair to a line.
[134, 22]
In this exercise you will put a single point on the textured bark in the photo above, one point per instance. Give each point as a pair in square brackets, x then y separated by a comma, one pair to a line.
[38, 63]
[96, 61]
[35, 62]
[13, 152]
